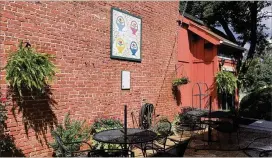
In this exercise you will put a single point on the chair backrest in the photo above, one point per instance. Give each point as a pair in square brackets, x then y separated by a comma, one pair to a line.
[163, 128]
[145, 117]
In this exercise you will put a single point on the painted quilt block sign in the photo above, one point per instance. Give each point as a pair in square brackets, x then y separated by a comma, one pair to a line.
[126, 36]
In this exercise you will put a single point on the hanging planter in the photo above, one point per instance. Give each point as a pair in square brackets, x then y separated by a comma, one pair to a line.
[175, 90]
[226, 82]
[180, 81]
[29, 72]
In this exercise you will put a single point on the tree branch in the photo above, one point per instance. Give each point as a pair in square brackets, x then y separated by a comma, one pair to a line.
[227, 29]
[253, 35]
[253, 32]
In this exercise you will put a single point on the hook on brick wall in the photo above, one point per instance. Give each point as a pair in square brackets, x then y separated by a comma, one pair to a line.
[27, 44]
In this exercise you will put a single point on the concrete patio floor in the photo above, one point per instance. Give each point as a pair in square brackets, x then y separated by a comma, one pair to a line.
[219, 149]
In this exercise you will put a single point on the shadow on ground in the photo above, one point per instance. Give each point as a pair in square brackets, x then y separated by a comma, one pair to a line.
[223, 148]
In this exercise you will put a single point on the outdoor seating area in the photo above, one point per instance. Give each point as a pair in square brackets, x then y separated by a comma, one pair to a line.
[135, 79]
[214, 138]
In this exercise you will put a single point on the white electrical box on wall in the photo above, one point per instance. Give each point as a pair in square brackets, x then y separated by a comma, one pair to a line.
[125, 77]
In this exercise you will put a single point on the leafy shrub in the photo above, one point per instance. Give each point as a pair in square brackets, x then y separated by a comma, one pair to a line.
[28, 70]
[3, 116]
[184, 118]
[7, 145]
[162, 126]
[226, 82]
[257, 104]
[105, 124]
[70, 131]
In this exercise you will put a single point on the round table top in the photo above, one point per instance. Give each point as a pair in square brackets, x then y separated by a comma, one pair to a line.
[197, 113]
[220, 114]
[134, 136]
[213, 114]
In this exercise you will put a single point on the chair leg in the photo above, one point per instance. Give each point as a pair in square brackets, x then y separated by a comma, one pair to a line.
[152, 148]
[237, 135]
[143, 150]
[192, 136]
[218, 137]
[181, 134]
[230, 140]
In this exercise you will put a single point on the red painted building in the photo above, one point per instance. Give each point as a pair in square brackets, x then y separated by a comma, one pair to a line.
[200, 51]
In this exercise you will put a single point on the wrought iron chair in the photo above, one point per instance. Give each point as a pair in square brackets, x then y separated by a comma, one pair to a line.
[191, 124]
[66, 152]
[163, 128]
[176, 151]
[111, 153]
[228, 127]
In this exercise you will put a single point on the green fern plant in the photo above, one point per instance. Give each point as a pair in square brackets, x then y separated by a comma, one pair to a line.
[29, 70]
[70, 131]
[226, 82]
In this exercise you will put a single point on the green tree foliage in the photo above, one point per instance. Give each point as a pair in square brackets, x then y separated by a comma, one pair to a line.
[259, 74]
[240, 17]
[70, 131]
[28, 70]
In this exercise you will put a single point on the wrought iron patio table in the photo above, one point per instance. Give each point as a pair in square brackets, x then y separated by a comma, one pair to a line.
[134, 136]
[212, 114]
[198, 113]
[218, 114]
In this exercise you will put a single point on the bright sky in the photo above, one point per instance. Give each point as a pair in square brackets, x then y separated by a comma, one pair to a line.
[268, 22]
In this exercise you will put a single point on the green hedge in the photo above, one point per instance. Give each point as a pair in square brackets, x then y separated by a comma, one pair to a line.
[257, 104]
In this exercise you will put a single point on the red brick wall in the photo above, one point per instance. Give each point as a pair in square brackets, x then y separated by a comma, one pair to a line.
[88, 84]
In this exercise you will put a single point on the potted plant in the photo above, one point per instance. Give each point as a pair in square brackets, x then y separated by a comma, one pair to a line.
[226, 82]
[180, 81]
[29, 72]
[175, 90]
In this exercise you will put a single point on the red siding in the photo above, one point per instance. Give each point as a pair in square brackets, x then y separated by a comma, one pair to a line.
[201, 67]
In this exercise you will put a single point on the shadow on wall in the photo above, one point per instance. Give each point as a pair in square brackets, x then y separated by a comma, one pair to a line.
[177, 95]
[212, 92]
[36, 112]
